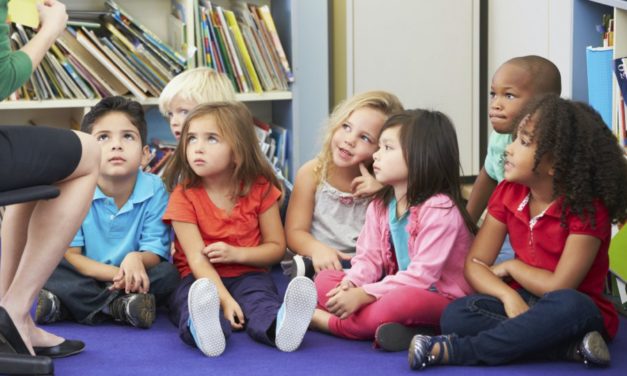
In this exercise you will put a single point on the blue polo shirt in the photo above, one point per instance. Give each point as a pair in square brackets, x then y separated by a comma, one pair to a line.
[107, 234]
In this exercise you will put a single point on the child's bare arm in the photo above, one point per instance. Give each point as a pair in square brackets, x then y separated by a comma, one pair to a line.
[579, 254]
[269, 252]
[298, 222]
[90, 268]
[483, 252]
[480, 195]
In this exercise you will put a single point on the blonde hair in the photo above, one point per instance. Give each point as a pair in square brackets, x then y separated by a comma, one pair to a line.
[235, 123]
[379, 100]
[201, 85]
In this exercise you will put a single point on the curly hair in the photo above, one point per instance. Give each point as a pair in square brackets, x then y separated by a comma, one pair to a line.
[587, 161]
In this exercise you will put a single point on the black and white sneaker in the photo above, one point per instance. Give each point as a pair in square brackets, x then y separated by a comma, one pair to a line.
[302, 267]
[393, 336]
[204, 317]
[295, 313]
[49, 308]
[138, 310]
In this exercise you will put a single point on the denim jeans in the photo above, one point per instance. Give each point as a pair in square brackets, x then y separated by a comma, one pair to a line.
[484, 333]
[85, 297]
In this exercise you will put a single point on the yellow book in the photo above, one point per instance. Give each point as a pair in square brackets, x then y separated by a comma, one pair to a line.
[24, 12]
[266, 16]
[239, 39]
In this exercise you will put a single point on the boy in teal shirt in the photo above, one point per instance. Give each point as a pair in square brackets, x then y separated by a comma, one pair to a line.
[117, 263]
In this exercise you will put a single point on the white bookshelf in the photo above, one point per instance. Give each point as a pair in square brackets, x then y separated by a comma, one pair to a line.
[303, 29]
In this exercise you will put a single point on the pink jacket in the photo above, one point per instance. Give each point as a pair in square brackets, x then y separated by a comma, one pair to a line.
[438, 244]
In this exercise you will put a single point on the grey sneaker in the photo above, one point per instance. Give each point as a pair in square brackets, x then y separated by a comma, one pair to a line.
[135, 309]
[592, 351]
[49, 308]
[295, 314]
[204, 317]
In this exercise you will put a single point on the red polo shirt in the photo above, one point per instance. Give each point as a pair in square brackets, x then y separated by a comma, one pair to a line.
[541, 244]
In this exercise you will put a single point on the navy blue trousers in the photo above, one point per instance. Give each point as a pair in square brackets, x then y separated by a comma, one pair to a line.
[256, 294]
[85, 297]
[484, 333]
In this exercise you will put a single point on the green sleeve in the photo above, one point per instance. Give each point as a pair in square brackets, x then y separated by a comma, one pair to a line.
[15, 67]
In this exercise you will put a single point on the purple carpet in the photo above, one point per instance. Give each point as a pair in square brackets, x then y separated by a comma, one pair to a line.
[120, 350]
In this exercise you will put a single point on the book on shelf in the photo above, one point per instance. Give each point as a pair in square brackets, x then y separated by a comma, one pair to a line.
[110, 53]
[620, 72]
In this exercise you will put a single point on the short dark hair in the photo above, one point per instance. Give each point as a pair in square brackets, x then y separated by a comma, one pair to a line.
[545, 76]
[132, 109]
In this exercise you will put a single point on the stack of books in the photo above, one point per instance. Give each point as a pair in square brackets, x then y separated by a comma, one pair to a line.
[243, 43]
[104, 53]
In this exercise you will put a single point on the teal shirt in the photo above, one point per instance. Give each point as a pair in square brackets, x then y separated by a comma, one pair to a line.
[495, 160]
[108, 234]
[15, 67]
[400, 236]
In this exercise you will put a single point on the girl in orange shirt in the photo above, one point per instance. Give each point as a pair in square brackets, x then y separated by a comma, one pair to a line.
[225, 213]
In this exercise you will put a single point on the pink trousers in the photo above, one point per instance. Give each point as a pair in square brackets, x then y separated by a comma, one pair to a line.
[404, 305]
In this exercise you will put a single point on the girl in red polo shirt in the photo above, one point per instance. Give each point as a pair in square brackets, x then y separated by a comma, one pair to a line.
[565, 177]
[225, 213]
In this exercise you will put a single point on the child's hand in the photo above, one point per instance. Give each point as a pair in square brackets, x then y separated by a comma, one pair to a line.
[342, 286]
[233, 313]
[327, 258]
[346, 302]
[501, 270]
[133, 273]
[365, 185]
[514, 305]
[221, 253]
[52, 16]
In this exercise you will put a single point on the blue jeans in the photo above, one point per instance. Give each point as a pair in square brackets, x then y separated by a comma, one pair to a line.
[484, 333]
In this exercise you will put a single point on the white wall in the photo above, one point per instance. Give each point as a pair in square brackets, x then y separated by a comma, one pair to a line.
[425, 52]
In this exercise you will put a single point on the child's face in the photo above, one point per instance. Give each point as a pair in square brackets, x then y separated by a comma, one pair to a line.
[389, 166]
[356, 139]
[520, 155]
[208, 153]
[177, 112]
[122, 151]
[510, 91]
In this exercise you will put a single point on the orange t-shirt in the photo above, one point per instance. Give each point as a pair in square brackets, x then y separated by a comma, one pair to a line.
[240, 228]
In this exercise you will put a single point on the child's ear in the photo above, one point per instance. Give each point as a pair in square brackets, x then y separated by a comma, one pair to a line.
[145, 156]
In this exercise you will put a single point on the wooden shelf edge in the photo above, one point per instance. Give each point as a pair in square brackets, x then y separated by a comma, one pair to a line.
[76, 103]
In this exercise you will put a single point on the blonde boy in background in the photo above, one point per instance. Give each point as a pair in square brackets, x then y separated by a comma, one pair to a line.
[189, 89]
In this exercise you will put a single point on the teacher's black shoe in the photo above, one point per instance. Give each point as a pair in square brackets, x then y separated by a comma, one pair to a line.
[65, 348]
[10, 339]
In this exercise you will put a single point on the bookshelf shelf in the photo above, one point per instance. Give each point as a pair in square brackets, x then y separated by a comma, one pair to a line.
[73, 103]
[619, 4]
[302, 27]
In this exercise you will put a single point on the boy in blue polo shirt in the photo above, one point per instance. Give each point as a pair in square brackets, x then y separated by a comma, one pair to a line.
[116, 265]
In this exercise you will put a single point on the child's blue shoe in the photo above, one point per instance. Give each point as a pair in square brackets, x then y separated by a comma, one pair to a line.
[204, 317]
[295, 313]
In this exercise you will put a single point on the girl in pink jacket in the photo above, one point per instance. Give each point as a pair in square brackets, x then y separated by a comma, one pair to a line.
[409, 261]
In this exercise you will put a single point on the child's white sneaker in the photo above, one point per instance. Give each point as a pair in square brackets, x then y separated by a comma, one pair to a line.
[204, 317]
[295, 313]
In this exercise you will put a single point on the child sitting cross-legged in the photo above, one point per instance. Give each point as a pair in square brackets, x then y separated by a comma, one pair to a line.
[411, 250]
[116, 266]
[224, 209]
[565, 178]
